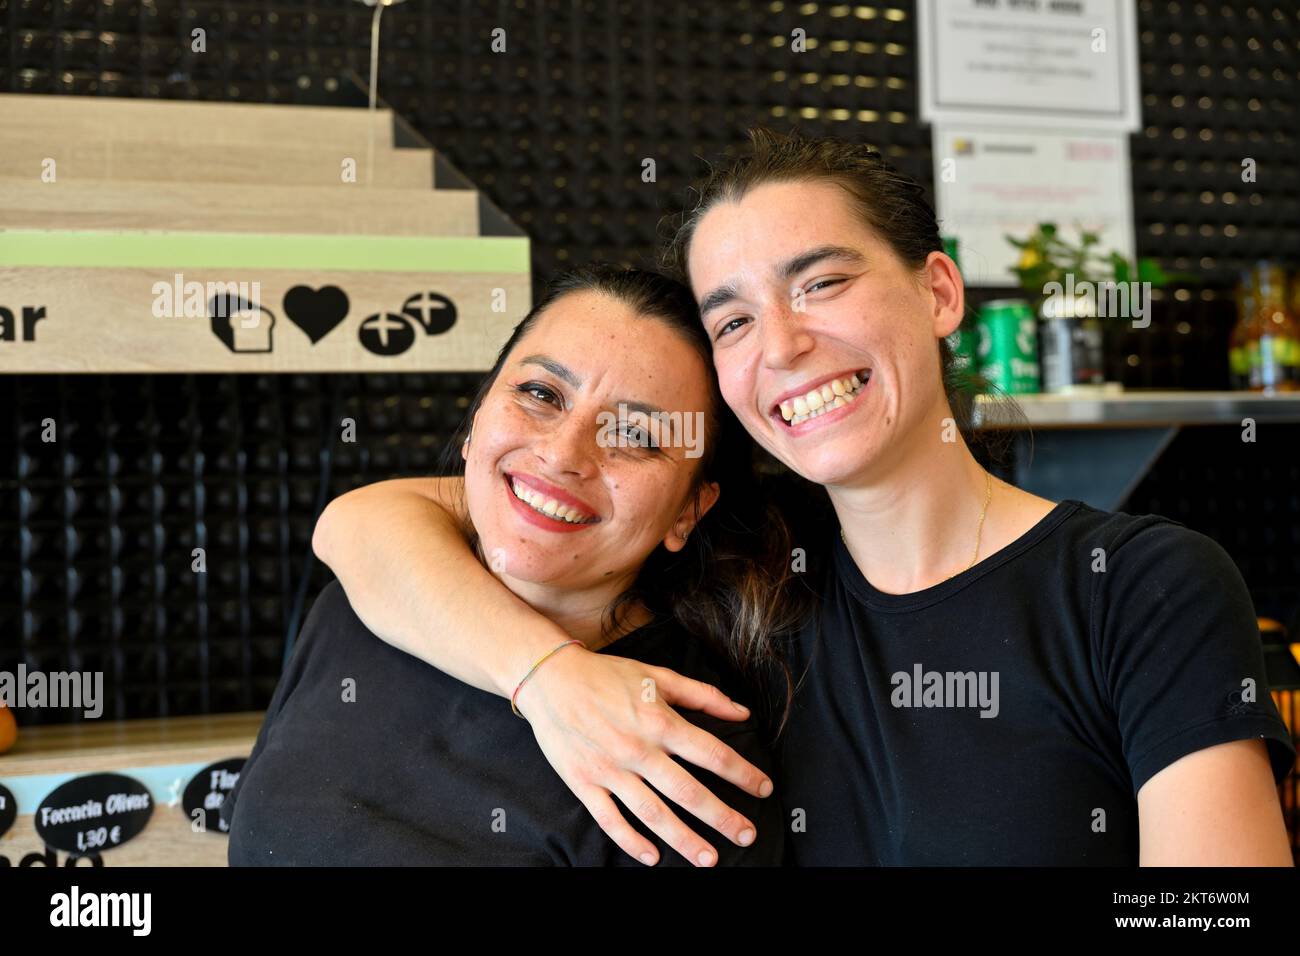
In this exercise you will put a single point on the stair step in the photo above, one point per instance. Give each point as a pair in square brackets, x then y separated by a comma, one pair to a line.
[226, 207]
[24, 156]
[59, 118]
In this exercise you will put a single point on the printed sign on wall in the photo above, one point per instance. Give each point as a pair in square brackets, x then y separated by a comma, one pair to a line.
[1071, 63]
[75, 302]
[994, 182]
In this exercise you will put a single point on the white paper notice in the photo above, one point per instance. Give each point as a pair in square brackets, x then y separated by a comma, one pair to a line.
[992, 182]
[1053, 63]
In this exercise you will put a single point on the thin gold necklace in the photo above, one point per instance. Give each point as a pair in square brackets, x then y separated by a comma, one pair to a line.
[988, 494]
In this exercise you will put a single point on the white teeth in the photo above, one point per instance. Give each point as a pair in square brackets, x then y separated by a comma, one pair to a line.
[818, 401]
[547, 506]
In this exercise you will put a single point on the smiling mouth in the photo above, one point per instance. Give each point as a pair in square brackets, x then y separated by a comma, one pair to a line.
[547, 506]
[824, 398]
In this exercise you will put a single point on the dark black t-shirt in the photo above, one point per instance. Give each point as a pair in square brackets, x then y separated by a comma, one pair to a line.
[421, 769]
[1103, 678]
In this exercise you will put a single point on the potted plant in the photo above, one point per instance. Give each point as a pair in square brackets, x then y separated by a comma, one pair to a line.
[1071, 288]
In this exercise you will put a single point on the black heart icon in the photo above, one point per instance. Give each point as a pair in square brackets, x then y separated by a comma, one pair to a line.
[314, 311]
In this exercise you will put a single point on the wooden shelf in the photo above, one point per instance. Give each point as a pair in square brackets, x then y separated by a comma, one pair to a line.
[162, 754]
[1141, 409]
[95, 745]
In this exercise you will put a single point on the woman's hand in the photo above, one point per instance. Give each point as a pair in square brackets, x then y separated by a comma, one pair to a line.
[607, 726]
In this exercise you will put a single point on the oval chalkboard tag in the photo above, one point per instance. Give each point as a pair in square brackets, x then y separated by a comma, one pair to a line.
[8, 809]
[93, 813]
[208, 789]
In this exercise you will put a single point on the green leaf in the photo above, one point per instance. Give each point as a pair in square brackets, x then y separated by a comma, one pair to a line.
[1121, 267]
[1149, 271]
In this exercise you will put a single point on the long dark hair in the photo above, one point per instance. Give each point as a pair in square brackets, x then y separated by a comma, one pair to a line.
[731, 585]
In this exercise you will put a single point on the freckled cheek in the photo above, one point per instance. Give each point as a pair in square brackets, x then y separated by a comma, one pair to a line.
[877, 327]
[505, 429]
[638, 501]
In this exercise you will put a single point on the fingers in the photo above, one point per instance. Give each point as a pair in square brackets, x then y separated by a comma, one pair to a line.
[613, 750]
[607, 816]
[654, 813]
[691, 694]
[699, 747]
[676, 783]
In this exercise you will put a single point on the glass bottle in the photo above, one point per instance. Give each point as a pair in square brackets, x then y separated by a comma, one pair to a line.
[1238, 343]
[1274, 341]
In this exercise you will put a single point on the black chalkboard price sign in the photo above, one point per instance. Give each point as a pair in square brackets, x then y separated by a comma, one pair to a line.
[8, 809]
[94, 813]
[205, 793]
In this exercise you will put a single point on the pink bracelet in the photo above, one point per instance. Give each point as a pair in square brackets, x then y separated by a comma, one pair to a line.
[533, 670]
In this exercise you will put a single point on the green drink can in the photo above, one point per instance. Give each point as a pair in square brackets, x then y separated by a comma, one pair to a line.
[950, 248]
[1007, 349]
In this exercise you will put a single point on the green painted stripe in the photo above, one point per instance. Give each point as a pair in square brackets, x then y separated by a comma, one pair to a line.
[148, 250]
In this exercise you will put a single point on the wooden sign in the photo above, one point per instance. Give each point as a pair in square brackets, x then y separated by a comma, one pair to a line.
[201, 302]
[147, 236]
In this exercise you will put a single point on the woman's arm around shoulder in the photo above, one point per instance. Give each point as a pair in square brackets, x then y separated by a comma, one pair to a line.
[400, 551]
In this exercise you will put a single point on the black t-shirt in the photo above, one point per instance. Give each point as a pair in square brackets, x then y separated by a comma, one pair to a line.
[418, 768]
[1092, 681]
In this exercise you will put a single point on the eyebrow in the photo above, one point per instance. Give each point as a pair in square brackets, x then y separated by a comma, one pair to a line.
[792, 267]
[718, 297]
[557, 369]
[563, 372]
[786, 270]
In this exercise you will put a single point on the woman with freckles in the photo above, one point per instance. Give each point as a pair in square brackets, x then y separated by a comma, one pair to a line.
[987, 677]
[587, 503]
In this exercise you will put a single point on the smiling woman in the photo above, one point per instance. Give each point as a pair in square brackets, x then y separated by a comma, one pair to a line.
[1121, 643]
[1115, 657]
[366, 756]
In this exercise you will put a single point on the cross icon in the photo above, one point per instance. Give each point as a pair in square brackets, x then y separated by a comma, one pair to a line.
[385, 323]
[424, 306]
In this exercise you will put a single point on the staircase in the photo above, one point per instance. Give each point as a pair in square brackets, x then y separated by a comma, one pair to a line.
[170, 236]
